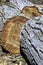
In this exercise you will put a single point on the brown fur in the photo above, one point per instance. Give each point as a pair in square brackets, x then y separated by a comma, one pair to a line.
[11, 34]
[31, 11]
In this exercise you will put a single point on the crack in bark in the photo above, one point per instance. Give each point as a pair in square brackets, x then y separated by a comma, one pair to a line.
[41, 51]
[36, 51]
[39, 23]
[35, 28]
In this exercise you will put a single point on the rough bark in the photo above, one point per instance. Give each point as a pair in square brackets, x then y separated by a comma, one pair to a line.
[21, 3]
[32, 40]
[37, 2]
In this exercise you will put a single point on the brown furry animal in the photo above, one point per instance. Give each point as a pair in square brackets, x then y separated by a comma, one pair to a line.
[31, 11]
[11, 34]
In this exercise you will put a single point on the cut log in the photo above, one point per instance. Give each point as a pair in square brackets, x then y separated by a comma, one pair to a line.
[32, 40]
[11, 34]
[31, 11]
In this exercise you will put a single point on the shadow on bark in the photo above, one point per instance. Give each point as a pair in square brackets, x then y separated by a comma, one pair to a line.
[24, 56]
[5, 51]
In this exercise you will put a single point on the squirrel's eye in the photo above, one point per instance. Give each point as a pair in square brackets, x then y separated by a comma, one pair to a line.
[33, 14]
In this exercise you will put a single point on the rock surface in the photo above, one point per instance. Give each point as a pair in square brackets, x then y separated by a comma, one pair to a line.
[32, 40]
